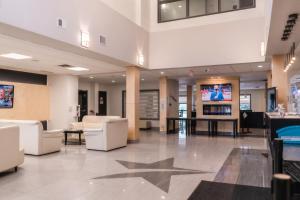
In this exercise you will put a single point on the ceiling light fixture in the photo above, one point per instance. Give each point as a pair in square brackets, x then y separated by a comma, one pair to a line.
[290, 58]
[142, 79]
[180, 6]
[163, 6]
[78, 69]
[113, 81]
[124, 75]
[162, 73]
[260, 66]
[15, 56]
[91, 77]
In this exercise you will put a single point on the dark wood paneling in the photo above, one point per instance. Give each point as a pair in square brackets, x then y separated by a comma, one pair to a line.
[22, 77]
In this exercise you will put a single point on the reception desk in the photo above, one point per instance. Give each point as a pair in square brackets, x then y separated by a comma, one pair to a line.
[276, 122]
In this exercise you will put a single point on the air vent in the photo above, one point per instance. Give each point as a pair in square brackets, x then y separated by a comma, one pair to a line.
[61, 23]
[65, 66]
[102, 40]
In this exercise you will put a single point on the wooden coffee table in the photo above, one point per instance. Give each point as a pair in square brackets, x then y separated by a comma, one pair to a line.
[79, 132]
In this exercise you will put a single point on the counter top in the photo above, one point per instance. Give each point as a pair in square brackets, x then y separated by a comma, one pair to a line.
[277, 116]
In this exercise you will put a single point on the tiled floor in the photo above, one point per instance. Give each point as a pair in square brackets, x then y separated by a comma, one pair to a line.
[78, 174]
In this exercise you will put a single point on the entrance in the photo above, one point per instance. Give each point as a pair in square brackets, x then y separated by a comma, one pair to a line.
[102, 102]
[83, 102]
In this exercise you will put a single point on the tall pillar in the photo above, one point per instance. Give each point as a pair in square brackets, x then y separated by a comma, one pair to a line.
[189, 100]
[132, 102]
[169, 94]
[163, 96]
[279, 79]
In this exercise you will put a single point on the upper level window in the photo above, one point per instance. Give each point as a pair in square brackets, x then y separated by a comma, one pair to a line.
[169, 10]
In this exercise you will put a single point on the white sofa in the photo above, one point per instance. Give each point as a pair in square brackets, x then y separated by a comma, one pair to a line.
[11, 155]
[104, 133]
[34, 139]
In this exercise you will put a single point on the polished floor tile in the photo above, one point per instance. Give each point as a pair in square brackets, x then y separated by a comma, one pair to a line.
[169, 167]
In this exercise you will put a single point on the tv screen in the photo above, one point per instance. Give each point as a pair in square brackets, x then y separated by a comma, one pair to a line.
[216, 92]
[6, 96]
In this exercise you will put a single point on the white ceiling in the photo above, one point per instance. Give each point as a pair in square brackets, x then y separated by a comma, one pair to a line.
[45, 60]
[281, 10]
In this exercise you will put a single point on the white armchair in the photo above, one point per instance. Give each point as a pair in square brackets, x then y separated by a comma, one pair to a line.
[105, 133]
[11, 155]
[34, 139]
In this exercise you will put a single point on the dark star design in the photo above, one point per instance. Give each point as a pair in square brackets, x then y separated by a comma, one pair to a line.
[160, 179]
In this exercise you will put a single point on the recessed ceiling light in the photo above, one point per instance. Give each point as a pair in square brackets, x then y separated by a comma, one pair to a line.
[15, 56]
[260, 66]
[143, 79]
[180, 6]
[124, 75]
[162, 73]
[91, 77]
[113, 81]
[78, 69]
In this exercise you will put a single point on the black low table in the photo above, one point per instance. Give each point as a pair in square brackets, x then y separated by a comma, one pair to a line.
[79, 132]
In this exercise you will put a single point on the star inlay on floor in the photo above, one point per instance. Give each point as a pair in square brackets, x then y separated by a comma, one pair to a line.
[160, 179]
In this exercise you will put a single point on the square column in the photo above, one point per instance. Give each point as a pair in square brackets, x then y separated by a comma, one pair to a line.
[132, 102]
[189, 100]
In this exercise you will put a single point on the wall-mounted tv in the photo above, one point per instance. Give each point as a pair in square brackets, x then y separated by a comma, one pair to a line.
[6, 96]
[216, 92]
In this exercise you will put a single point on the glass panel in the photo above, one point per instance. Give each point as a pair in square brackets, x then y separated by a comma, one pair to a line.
[197, 7]
[172, 10]
[228, 5]
[245, 102]
[212, 6]
[182, 99]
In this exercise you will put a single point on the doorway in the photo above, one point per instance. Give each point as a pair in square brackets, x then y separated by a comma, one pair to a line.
[102, 102]
[83, 102]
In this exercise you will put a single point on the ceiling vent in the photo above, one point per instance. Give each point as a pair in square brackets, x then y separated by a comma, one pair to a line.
[102, 40]
[65, 66]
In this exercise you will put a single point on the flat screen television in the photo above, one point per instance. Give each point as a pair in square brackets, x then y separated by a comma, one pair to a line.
[216, 92]
[6, 96]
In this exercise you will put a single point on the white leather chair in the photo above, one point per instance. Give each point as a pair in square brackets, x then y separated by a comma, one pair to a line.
[34, 139]
[105, 133]
[11, 155]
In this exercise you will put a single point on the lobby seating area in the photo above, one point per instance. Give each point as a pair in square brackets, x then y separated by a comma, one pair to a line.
[150, 100]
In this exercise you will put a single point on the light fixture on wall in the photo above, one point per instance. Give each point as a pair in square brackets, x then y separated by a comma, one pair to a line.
[262, 49]
[85, 39]
[290, 58]
[141, 60]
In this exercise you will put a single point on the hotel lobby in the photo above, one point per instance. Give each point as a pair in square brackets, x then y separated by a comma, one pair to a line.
[150, 99]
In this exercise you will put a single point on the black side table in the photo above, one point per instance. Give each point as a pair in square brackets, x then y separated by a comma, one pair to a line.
[79, 132]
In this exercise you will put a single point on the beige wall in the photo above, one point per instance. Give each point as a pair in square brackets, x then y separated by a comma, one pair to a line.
[280, 80]
[31, 102]
[235, 103]
[258, 99]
